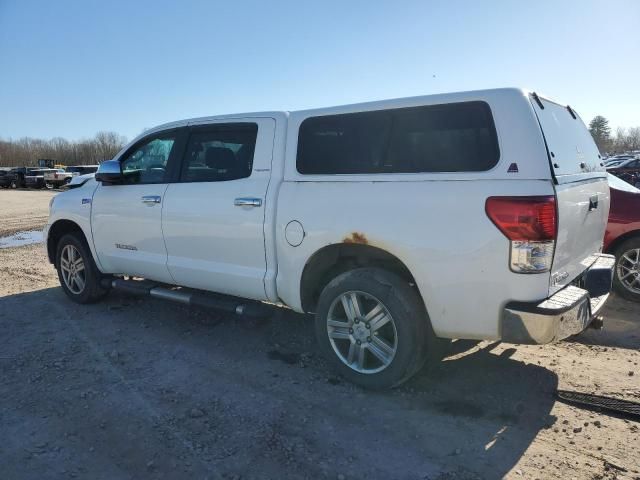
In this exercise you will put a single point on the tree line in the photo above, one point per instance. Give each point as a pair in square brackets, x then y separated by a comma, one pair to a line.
[624, 140]
[104, 146]
[27, 151]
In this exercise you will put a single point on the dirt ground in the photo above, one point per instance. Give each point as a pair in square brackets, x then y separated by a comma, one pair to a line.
[23, 209]
[141, 388]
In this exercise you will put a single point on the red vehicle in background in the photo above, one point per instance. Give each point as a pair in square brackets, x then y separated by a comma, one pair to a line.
[627, 169]
[622, 237]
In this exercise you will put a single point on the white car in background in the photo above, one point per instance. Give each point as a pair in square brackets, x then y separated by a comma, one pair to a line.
[79, 180]
[60, 177]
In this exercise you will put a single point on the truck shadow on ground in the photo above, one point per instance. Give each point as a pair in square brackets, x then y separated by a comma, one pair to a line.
[495, 405]
[139, 387]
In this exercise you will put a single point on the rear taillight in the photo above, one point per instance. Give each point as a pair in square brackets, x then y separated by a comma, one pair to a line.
[530, 224]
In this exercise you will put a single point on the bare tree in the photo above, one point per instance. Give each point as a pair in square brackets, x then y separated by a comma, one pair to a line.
[109, 143]
[633, 139]
[26, 151]
[620, 140]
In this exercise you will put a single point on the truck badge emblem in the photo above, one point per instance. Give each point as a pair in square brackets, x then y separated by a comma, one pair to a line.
[126, 247]
[559, 277]
[513, 168]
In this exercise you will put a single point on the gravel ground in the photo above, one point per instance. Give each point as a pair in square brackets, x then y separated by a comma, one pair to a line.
[22, 210]
[140, 388]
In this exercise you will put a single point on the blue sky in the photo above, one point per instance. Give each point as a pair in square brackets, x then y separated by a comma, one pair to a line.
[72, 68]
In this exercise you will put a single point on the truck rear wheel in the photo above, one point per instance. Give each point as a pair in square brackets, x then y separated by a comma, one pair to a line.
[78, 274]
[374, 329]
[626, 278]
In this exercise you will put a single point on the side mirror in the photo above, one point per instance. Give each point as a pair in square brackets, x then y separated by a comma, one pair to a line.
[109, 172]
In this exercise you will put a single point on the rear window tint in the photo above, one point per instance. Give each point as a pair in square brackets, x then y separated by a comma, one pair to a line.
[220, 153]
[456, 137]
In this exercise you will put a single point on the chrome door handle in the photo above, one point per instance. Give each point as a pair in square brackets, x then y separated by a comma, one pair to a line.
[248, 202]
[150, 199]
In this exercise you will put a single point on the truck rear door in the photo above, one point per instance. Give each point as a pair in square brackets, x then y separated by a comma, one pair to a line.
[582, 191]
[213, 216]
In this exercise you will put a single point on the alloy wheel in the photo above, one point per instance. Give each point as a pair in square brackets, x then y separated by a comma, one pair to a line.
[362, 332]
[628, 270]
[72, 267]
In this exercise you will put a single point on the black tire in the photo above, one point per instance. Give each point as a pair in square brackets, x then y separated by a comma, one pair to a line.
[416, 342]
[93, 290]
[627, 246]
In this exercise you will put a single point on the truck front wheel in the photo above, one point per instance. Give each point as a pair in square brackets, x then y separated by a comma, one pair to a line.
[78, 274]
[374, 329]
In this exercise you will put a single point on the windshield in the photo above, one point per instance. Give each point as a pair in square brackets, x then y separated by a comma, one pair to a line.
[619, 184]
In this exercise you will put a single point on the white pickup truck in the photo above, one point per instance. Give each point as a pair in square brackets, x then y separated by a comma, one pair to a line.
[399, 223]
[60, 177]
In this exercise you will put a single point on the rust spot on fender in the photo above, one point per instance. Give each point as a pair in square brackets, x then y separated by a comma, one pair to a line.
[356, 237]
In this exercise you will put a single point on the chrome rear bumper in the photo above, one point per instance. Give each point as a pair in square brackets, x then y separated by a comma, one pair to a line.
[565, 313]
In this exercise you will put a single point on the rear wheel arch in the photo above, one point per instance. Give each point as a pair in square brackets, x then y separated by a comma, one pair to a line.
[613, 246]
[335, 259]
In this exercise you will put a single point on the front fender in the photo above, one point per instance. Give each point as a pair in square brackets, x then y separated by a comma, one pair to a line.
[73, 206]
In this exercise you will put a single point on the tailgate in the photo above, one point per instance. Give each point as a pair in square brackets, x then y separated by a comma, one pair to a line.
[582, 191]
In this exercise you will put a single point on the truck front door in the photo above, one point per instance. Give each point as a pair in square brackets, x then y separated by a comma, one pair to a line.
[126, 219]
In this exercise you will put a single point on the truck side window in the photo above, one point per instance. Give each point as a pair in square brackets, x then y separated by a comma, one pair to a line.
[147, 162]
[453, 137]
[219, 153]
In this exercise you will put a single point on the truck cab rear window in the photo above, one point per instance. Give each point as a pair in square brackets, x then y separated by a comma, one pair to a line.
[454, 137]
